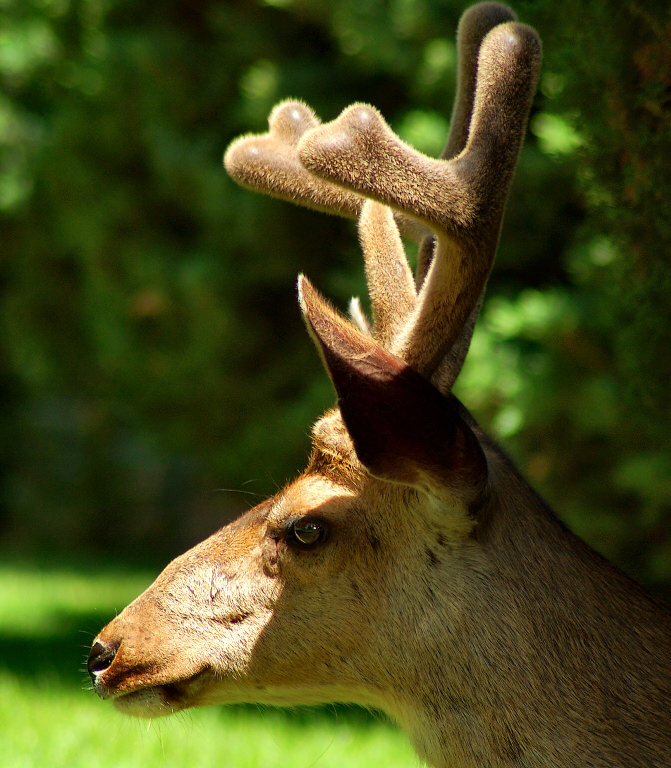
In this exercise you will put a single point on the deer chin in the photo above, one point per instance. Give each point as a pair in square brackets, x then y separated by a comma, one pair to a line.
[202, 690]
[161, 700]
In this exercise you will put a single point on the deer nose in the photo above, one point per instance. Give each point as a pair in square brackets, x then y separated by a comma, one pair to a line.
[101, 656]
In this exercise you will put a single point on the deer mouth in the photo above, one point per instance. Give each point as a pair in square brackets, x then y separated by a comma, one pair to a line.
[136, 690]
[161, 700]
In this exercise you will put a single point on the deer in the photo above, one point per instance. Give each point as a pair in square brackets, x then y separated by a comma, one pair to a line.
[410, 568]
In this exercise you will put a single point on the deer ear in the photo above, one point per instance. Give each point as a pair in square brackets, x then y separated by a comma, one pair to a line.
[402, 428]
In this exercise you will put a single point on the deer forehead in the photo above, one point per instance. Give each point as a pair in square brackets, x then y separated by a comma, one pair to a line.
[310, 494]
[395, 513]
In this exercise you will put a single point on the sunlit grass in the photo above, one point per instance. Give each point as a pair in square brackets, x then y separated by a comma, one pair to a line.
[48, 718]
[50, 726]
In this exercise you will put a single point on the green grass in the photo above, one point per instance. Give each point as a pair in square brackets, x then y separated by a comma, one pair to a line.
[49, 719]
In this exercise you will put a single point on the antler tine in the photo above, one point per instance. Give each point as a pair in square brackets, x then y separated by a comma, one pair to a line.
[461, 200]
[474, 26]
[269, 163]
[391, 286]
[392, 291]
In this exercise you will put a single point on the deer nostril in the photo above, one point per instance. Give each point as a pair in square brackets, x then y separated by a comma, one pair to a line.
[100, 657]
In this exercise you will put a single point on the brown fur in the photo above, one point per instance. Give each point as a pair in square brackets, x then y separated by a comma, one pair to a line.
[438, 586]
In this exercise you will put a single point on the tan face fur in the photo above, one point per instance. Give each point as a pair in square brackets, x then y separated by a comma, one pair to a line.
[252, 614]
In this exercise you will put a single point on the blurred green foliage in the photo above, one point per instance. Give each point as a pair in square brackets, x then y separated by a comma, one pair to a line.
[152, 353]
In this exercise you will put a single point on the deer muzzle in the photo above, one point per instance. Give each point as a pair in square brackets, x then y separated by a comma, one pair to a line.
[100, 658]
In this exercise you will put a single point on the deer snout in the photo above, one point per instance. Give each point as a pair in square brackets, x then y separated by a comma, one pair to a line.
[102, 654]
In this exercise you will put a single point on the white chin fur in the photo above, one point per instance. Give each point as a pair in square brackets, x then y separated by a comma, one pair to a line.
[147, 703]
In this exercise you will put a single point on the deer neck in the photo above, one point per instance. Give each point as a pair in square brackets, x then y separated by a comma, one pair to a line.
[514, 619]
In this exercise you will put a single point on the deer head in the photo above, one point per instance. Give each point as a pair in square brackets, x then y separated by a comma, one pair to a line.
[409, 568]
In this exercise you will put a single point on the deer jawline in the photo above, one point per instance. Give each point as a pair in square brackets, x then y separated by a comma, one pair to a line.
[161, 700]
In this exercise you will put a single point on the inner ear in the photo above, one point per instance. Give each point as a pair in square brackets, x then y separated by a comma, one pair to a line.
[402, 428]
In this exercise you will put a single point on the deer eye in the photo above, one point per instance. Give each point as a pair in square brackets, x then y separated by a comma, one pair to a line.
[307, 533]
